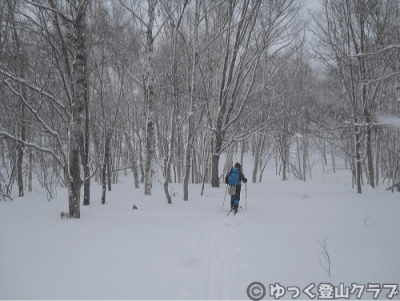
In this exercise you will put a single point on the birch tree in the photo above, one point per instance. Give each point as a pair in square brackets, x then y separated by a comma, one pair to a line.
[71, 43]
[148, 87]
[192, 93]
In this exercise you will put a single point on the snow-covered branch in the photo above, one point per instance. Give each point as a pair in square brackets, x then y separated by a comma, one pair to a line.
[29, 85]
[387, 48]
[5, 135]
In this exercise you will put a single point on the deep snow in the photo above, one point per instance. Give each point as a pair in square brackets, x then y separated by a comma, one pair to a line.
[190, 250]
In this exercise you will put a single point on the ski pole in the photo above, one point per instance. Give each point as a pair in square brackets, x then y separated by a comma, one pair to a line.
[224, 198]
[245, 195]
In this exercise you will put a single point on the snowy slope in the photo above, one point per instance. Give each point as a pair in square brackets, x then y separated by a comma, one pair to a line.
[190, 250]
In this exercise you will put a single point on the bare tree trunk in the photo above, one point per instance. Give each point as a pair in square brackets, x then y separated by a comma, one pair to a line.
[30, 168]
[299, 158]
[284, 167]
[20, 160]
[229, 159]
[132, 162]
[215, 164]
[284, 155]
[377, 167]
[256, 160]
[193, 167]
[77, 109]
[109, 165]
[150, 98]
[74, 170]
[305, 157]
[86, 136]
[324, 153]
[179, 155]
[106, 164]
[167, 167]
[21, 70]
[189, 148]
[135, 157]
[367, 115]
[370, 158]
[243, 147]
[205, 169]
[358, 161]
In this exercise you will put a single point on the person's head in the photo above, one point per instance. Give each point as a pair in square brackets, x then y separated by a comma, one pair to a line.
[237, 165]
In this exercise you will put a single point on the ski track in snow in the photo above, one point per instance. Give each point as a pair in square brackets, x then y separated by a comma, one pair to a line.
[232, 220]
[217, 279]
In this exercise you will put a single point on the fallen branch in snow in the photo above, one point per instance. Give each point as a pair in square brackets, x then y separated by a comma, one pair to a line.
[172, 193]
[367, 223]
[4, 197]
[393, 186]
[304, 196]
[325, 254]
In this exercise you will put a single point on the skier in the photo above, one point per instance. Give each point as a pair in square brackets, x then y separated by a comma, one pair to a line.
[234, 179]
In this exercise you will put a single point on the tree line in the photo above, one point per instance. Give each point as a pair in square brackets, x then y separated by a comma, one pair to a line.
[93, 89]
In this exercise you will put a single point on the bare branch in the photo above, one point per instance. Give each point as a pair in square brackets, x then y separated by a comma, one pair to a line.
[51, 9]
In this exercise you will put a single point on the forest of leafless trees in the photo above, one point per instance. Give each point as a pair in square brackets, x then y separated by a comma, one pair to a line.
[91, 90]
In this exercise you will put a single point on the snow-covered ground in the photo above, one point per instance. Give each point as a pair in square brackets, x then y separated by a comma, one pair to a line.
[190, 250]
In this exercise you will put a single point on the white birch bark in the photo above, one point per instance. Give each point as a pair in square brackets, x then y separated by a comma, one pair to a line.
[150, 98]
